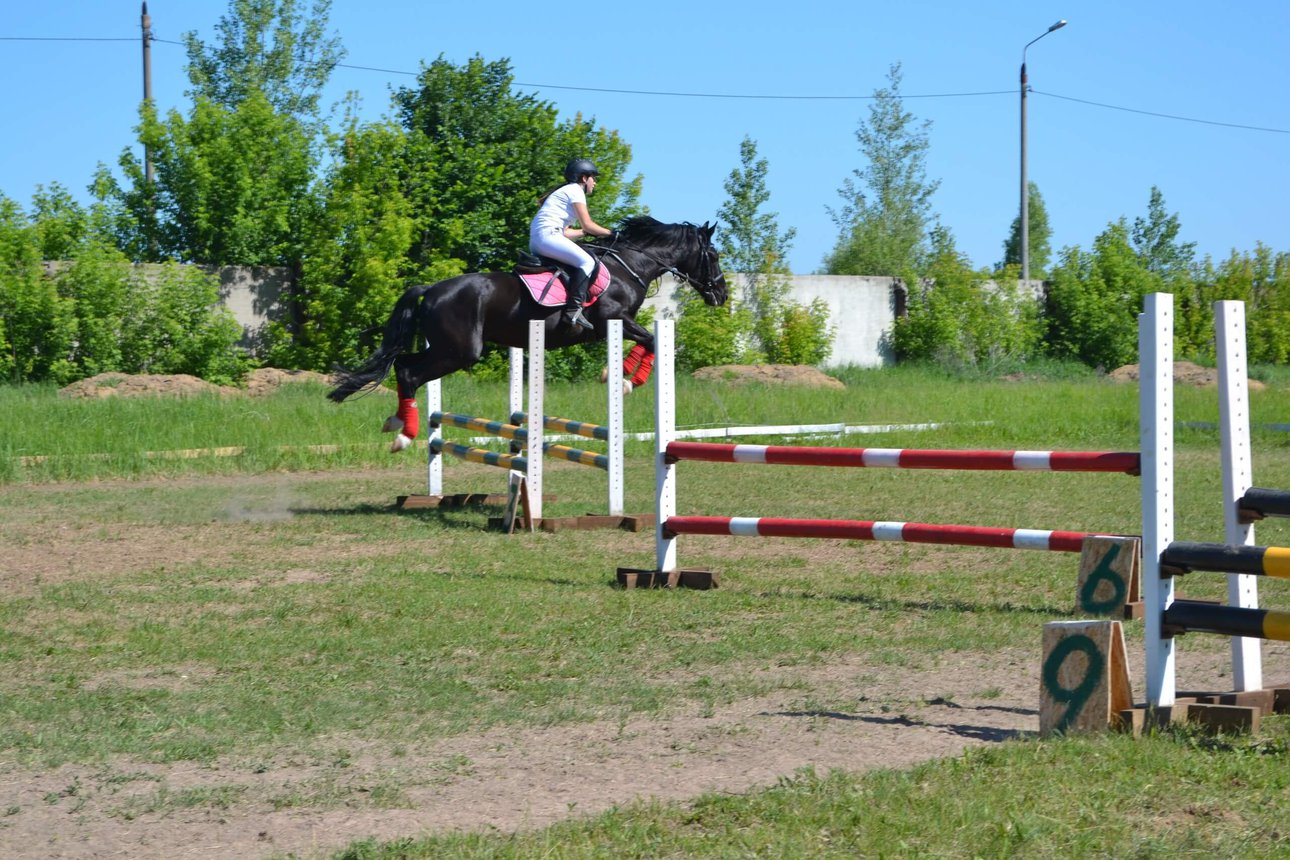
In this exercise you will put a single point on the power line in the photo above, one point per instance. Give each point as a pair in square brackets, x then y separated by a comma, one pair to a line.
[1164, 115]
[62, 39]
[731, 96]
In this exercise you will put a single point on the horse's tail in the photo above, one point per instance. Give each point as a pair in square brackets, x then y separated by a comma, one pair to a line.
[399, 330]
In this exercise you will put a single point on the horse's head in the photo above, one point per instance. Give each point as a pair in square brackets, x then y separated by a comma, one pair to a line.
[705, 273]
[684, 250]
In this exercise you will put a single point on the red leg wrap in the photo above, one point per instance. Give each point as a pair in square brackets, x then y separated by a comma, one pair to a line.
[633, 360]
[407, 413]
[641, 376]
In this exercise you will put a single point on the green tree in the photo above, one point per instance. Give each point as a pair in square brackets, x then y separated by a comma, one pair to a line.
[753, 245]
[233, 186]
[61, 223]
[480, 156]
[885, 221]
[1261, 279]
[357, 262]
[234, 177]
[1155, 239]
[267, 49]
[1040, 236]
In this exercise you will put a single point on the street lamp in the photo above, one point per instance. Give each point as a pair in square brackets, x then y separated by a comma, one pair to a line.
[1025, 190]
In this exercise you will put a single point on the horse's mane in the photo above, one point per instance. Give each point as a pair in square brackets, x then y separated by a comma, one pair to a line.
[644, 230]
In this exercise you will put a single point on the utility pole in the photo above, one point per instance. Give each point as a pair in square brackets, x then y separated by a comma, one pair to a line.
[146, 23]
[1025, 185]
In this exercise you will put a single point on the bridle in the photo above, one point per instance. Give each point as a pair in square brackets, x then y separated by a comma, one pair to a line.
[705, 286]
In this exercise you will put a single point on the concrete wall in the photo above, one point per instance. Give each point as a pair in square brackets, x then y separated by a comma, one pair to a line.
[861, 312]
[255, 296]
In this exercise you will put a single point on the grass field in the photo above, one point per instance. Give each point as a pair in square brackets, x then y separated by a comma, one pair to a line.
[246, 645]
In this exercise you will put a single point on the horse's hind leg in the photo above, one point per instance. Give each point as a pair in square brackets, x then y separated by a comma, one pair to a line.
[412, 370]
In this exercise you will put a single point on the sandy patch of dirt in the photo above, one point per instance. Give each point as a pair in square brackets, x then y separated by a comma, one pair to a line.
[768, 374]
[509, 779]
[515, 779]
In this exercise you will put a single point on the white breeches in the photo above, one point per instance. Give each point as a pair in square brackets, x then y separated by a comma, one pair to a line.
[561, 248]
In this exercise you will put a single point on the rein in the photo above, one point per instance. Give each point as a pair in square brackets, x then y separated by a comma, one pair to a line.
[696, 284]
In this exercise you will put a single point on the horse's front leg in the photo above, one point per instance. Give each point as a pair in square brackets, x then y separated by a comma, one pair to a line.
[639, 363]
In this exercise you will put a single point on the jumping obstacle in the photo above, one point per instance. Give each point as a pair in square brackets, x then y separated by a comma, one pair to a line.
[669, 452]
[1164, 616]
[530, 445]
[1165, 559]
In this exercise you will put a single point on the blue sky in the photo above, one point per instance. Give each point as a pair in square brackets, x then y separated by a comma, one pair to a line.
[72, 104]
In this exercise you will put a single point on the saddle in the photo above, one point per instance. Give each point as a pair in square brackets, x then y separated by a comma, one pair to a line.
[527, 263]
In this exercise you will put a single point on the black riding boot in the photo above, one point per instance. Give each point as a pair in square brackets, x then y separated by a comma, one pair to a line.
[579, 284]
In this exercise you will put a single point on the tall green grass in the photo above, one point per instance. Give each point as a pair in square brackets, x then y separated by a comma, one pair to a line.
[47, 438]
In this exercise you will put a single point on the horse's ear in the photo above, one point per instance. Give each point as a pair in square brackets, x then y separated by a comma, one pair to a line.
[708, 229]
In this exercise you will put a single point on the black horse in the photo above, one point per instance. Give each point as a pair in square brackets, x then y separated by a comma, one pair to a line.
[456, 317]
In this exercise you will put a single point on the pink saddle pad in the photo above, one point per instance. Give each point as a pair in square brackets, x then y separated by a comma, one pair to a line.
[549, 290]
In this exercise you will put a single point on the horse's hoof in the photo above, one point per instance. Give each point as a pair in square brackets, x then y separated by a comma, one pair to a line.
[400, 442]
[393, 424]
[627, 386]
[604, 374]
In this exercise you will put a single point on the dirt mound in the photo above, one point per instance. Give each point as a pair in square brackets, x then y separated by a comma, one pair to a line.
[268, 379]
[768, 374]
[1184, 371]
[258, 383]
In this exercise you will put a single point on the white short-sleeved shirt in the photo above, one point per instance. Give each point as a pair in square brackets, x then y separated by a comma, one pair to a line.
[557, 212]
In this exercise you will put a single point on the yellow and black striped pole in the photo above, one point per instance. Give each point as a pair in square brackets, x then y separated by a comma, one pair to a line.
[1184, 616]
[1185, 556]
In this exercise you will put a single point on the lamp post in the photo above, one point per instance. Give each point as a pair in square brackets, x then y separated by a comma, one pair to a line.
[1025, 186]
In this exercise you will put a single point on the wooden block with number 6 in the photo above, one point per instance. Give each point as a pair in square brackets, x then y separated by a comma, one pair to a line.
[1109, 578]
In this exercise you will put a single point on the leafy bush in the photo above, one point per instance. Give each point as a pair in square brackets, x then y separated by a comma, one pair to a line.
[1094, 300]
[793, 333]
[959, 317]
[38, 326]
[177, 326]
[99, 313]
[708, 336]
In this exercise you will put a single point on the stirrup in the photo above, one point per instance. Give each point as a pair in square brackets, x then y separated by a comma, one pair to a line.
[573, 317]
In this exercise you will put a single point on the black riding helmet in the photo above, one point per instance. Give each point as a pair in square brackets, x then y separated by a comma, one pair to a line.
[579, 168]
